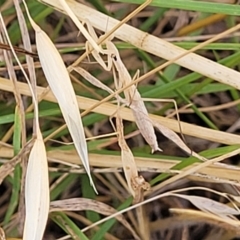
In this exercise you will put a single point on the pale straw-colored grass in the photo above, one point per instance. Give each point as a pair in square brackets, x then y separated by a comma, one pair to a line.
[59, 81]
[36, 180]
[109, 109]
[154, 45]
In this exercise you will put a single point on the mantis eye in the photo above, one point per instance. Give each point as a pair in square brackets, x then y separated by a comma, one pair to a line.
[114, 57]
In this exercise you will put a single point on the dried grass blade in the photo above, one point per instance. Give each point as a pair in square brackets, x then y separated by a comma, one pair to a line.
[37, 184]
[83, 204]
[194, 217]
[209, 205]
[9, 166]
[36, 191]
[109, 109]
[60, 84]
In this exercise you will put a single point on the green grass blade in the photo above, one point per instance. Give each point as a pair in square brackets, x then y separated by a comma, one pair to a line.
[107, 225]
[13, 203]
[198, 6]
[66, 223]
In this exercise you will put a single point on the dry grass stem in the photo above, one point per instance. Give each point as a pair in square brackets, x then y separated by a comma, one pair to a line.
[196, 168]
[9, 166]
[232, 222]
[188, 217]
[124, 172]
[109, 109]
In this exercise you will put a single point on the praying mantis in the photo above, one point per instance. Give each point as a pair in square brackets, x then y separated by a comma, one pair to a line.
[133, 99]
[113, 57]
[122, 79]
[132, 96]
